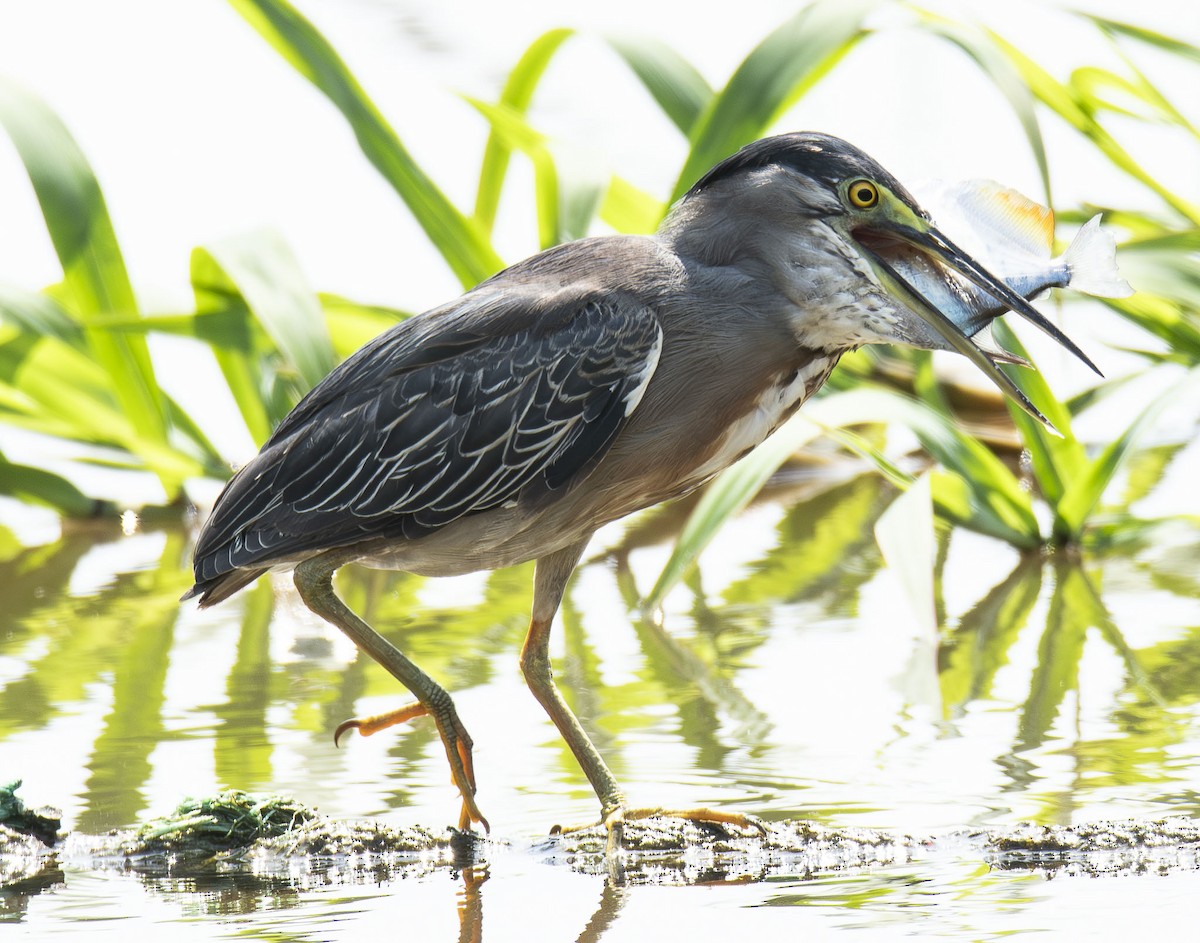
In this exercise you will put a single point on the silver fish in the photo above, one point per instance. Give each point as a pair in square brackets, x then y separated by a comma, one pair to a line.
[1012, 237]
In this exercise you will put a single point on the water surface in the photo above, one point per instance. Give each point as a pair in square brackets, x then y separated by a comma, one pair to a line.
[788, 678]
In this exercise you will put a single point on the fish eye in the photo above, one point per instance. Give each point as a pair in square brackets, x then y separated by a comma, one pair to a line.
[863, 194]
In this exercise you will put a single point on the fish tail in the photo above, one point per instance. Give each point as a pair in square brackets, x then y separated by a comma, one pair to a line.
[1091, 259]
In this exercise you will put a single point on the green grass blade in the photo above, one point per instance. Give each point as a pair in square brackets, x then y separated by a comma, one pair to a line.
[38, 486]
[49, 387]
[351, 324]
[1166, 43]
[1085, 490]
[511, 128]
[628, 209]
[264, 272]
[989, 499]
[1134, 98]
[1005, 76]
[1055, 459]
[461, 241]
[1086, 399]
[37, 313]
[771, 78]
[223, 321]
[672, 81]
[1062, 100]
[95, 281]
[516, 96]
[568, 194]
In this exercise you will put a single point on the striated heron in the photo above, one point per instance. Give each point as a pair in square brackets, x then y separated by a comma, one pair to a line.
[583, 384]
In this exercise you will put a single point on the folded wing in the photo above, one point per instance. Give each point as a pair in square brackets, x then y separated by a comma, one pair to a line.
[437, 419]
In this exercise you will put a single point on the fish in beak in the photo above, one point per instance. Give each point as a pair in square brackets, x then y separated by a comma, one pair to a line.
[954, 297]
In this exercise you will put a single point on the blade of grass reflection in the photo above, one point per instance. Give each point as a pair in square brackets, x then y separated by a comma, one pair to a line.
[978, 648]
[456, 645]
[81, 638]
[146, 606]
[702, 688]
[1071, 613]
[241, 747]
[825, 550]
[1085, 597]
[600, 707]
[30, 578]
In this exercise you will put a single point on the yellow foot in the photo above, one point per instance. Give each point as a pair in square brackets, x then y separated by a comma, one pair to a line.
[369, 725]
[455, 739]
[614, 821]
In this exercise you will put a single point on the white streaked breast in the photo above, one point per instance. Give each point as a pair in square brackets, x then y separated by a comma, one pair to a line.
[770, 410]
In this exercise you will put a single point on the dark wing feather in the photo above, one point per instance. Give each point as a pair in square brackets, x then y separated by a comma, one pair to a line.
[440, 418]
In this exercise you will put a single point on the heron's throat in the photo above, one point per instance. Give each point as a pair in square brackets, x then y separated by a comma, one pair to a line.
[834, 300]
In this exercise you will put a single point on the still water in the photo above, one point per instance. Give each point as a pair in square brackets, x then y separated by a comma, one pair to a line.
[788, 678]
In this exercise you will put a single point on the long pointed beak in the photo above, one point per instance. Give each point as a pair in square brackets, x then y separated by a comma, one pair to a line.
[934, 243]
[952, 334]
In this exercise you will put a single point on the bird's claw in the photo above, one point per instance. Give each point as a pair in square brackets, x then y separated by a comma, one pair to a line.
[455, 739]
[615, 818]
[377, 722]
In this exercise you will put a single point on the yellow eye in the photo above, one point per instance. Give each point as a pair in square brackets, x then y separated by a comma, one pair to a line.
[863, 194]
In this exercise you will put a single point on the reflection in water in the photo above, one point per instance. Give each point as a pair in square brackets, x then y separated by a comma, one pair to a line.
[1069, 691]
[612, 898]
[470, 904]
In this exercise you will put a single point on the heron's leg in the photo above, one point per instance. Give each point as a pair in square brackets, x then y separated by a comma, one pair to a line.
[549, 583]
[314, 580]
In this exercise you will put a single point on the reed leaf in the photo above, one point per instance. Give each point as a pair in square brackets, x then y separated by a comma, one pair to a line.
[95, 282]
[1055, 459]
[1005, 76]
[983, 495]
[628, 209]
[462, 242]
[38, 486]
[727, 496]
[264, 272]
[1080, 114]
[352, 323]
[49, 387]
[515, 97]
[672, 81]
[776, 73]
[1085, 490]
[1171, 44]
[37, 313]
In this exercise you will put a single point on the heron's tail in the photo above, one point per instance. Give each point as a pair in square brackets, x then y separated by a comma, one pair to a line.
[222, 587]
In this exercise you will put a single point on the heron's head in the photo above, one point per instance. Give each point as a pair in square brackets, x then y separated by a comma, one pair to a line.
[831, 227]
